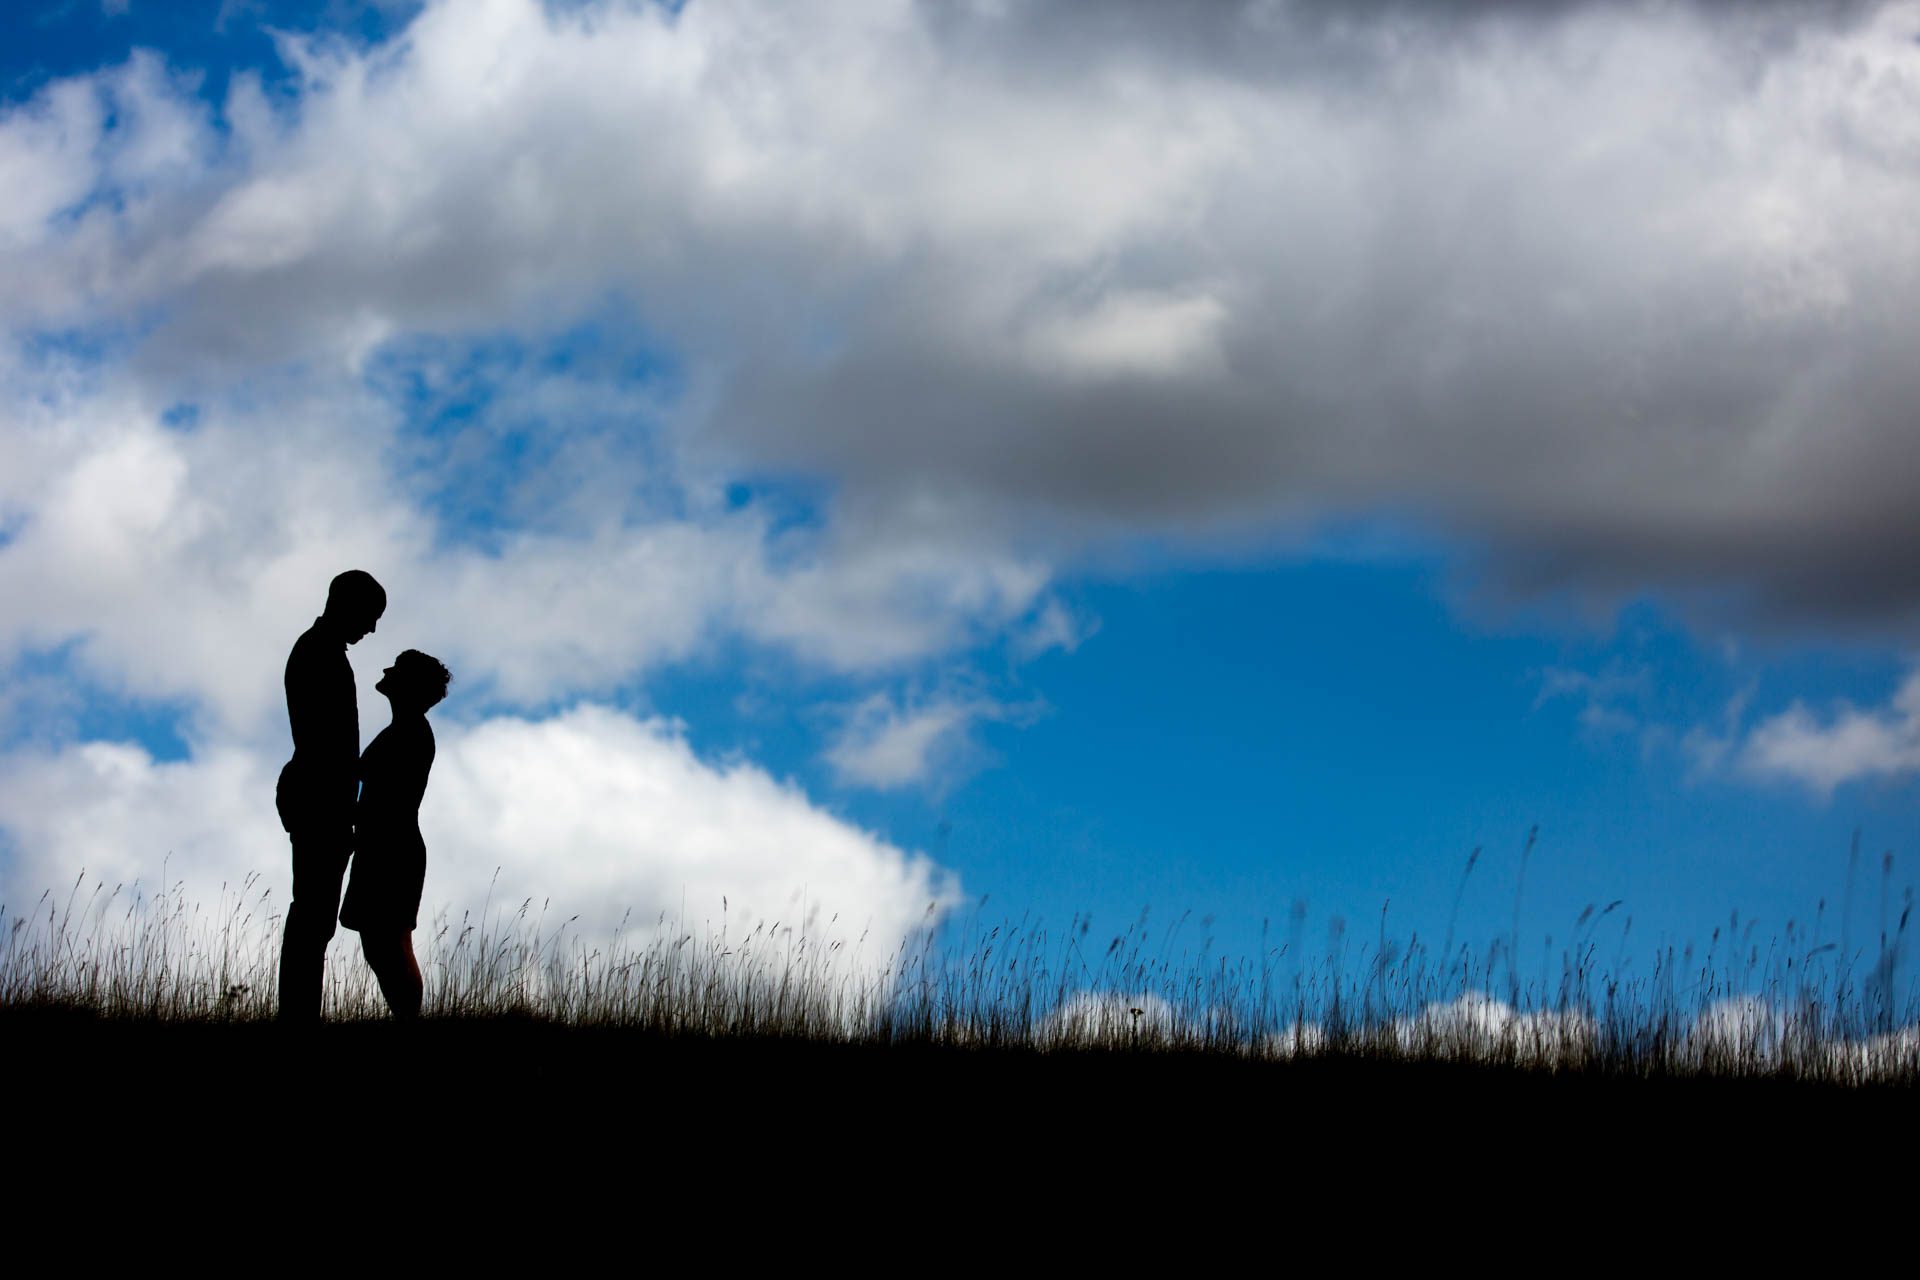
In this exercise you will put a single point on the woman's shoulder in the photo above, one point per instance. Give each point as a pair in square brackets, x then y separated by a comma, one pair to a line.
[417, 739]
[401, 739]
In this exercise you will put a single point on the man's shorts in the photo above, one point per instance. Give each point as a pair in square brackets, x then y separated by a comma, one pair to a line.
[322, 814]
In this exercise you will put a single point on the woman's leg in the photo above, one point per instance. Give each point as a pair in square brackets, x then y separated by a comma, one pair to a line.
[390, 956]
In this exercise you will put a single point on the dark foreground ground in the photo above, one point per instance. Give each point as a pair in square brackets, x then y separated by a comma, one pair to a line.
[468, 1122]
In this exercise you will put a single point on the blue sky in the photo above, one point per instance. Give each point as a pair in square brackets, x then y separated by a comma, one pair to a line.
[214, 39]
[1341, 736]
[1014, 499]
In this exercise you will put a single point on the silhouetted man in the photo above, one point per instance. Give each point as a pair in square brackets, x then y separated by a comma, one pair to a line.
[318, 786]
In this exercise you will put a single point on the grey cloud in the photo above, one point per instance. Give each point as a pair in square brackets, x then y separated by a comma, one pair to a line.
[1619, 335]
[1358, 41]
[1621, 296]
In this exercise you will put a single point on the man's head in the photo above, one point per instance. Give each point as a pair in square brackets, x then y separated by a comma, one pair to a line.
[354, 604]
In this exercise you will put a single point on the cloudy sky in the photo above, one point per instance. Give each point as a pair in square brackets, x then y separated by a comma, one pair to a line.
[869, 456]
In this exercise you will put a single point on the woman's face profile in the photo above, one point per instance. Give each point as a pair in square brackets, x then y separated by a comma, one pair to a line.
[413, 681]
[393, 683]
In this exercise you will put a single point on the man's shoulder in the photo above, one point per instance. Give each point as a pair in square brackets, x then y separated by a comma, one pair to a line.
[316, 647]
[318, 668]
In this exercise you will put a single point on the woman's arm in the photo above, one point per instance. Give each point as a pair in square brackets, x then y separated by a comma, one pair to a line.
[420, 751]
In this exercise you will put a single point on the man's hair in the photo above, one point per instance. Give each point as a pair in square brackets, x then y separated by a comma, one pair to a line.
[426, 673]
[356, 588]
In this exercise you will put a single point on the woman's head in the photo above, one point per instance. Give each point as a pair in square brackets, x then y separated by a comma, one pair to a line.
[415, 681]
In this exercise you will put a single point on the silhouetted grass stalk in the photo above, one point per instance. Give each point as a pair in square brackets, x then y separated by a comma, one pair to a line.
[116, 953]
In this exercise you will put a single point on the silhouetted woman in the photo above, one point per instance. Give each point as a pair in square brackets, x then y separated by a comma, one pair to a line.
[389, 857]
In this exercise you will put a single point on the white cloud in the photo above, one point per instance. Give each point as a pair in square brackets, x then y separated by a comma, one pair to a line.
[605, 813]
[600, 815]
[1128, 334]
[1852, 744]
[883, 598]
[1821, 752]
[1706, 749]
[1752, 1032]
[1054, 627]
[1298, 1040]
[1106, 1017]
[1600, 696]
[45, 159]
[184, 562]
[886, 745]
[109, 809]
[1476, 1026]
[1737, 1029]
[1892, 1055]
[1755, 1033]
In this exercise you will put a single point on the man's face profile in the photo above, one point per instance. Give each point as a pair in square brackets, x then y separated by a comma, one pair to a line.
[359, 623]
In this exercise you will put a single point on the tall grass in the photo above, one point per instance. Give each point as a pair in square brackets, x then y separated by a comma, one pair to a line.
[1795, 1006]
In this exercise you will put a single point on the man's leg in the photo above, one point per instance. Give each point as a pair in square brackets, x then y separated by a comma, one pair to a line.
[319, 864]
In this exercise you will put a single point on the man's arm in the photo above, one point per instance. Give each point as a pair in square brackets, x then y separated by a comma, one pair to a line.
[322, 714]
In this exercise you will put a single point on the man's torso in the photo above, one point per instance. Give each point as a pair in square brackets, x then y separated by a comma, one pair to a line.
[317, 786]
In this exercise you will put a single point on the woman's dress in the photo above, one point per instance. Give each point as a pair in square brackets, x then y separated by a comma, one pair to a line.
[389, 857]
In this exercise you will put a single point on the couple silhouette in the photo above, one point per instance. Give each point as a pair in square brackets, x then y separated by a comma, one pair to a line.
[339, 805]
